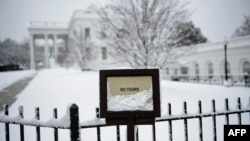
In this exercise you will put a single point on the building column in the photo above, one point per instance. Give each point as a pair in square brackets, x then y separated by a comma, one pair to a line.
[46, 52]
[32, 56]
[55, 47]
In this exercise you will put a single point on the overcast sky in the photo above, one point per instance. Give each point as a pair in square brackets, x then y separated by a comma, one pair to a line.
[217, 19]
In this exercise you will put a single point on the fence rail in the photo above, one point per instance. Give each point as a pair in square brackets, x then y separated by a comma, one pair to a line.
[71, 121]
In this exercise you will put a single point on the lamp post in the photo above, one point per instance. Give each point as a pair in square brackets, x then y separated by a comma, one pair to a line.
[225, 50]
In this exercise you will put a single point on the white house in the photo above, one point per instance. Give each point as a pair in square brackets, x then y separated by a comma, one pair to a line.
[208, 60]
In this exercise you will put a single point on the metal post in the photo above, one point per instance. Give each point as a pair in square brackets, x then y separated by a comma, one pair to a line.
[55, 129]
[227, 109]
[200, 122]
[74, 123]
[239, 114]
[130, 129]
[170, 123]
[214, 121]
[246, 77]
[225, 49]
[7, 128]
[98, 128]
[154, 134]
[21, 126]
[38, 135]
[117, 132]
[185, 121]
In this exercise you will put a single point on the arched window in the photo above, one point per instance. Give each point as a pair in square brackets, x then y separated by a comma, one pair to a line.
[167, 70]
[210, 70]
[175, 71]
[246, 67]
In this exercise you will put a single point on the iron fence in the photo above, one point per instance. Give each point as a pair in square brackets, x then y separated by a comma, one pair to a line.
[75, 127]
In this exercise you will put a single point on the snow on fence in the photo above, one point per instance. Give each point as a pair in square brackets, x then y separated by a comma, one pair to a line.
[70, 121]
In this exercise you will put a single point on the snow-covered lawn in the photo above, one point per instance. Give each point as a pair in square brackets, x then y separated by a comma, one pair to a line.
[58, 88]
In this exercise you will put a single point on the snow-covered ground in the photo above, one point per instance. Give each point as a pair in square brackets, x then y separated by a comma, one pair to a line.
[58, 88]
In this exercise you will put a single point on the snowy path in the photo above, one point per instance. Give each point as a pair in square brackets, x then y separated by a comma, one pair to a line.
[60, 87]
[10, 77]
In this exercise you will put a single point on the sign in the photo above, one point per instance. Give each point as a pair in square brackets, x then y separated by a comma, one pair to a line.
[129, 93]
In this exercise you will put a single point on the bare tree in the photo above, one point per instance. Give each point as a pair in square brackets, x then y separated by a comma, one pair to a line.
[80, 50]
[139, 31]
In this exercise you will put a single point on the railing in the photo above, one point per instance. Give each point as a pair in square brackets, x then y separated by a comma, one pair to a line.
[234, 80]
[71, 121]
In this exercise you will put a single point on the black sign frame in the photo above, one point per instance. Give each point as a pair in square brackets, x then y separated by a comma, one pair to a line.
[137, 114]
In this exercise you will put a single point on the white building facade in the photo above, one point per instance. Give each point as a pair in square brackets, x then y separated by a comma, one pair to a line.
[208, 60]
[56, 35]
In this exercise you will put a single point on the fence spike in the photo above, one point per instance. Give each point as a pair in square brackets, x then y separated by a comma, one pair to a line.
[200, 121]
[98, 128]
[239, 107]
[21, 126]
[55, 129]
[170, 123]
[185, 121]
[74, 123]
[227, 109]
[37, 116]
[7, 128]
[214, 120]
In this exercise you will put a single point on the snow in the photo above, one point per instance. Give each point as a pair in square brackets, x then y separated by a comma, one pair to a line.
[59, 88]
[10, 77]
[138, 101]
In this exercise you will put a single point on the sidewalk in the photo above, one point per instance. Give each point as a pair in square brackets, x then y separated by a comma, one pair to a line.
[8, 94]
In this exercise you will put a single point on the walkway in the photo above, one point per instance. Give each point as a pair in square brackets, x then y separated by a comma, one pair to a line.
[8, 94]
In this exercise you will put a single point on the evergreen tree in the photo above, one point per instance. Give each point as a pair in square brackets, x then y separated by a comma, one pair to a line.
[244, 29]
[187, 34]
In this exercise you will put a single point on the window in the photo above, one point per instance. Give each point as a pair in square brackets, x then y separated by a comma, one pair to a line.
[122, 33]
[87, 32]
[104, 53]
[167, 70]
[246, 67]
[103, 35]
[210, 70]
[184, 70]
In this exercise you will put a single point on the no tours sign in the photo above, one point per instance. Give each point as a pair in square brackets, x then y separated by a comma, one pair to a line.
[129, 93]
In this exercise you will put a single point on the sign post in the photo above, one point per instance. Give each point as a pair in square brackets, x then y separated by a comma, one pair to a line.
[129, 97]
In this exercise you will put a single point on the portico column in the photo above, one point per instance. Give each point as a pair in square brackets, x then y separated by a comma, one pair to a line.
[46, 52]
[55, 47]
[32, 56]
